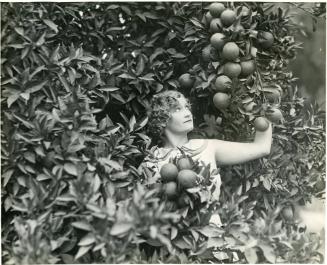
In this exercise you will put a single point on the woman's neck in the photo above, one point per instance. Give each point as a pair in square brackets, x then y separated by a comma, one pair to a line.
[175, 140]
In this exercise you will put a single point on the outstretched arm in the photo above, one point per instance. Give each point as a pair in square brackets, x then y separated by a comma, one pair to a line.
[230, 153]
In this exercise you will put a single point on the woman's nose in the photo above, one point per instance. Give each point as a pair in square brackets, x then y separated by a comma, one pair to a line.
[187, 113]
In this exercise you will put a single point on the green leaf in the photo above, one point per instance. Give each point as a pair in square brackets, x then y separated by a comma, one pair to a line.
[191, 39]
[42, 176]
[54, 54]
[118, 97]
[20, 31]
[36, 87]
[11, 99]
[214, 242]
[28, 124]
[180, 243]
[266, 183]
[64, 82]
[196, 23]
[93, 207]
[251, 255]
[25, 96]
[98, 247]
[82, 251]
[179, 56]
[70, 169]
[210, 231]
[29, 156]
[87, 240]
[173, 233]
[82, 225]
[52, 25]
[268, 252]
[141, 16]
[126, 76]
[121, 228]
[72, 75]
[41, 40]
[126, 10]
[132, 123]
[147, 77]
[6, 176]
[17, 46]
[110, 206]
[140, 66]
[109, 89]
[96, 183]
[66, 198]
[37, 70]
[142, 123]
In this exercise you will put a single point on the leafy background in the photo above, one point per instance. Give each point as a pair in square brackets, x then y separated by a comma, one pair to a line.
[76, 81]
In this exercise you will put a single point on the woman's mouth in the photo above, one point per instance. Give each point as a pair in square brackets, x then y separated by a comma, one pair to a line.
[187, 121]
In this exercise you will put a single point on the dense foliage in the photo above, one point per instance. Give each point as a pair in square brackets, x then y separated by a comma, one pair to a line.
[76, 81]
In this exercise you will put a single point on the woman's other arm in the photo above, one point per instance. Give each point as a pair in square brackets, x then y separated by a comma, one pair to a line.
[230, 153]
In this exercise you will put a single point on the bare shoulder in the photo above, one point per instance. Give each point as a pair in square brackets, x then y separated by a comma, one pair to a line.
[197, 143]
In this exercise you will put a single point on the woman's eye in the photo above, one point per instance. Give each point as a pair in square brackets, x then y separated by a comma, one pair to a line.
[177, 109]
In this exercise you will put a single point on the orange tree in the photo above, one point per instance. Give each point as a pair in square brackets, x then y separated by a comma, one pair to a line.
[76, 81]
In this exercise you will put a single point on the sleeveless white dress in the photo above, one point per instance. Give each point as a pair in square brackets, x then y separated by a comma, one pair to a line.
[200, 151]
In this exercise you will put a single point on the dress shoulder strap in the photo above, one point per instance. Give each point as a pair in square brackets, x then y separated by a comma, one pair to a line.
[194, 152]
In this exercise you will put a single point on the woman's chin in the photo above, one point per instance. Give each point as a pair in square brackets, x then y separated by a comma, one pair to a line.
[189, 128]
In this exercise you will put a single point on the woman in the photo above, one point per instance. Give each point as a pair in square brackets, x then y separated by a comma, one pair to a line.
[170, 120]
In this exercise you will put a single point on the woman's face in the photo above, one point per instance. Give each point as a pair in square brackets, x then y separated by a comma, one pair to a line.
[181, 120]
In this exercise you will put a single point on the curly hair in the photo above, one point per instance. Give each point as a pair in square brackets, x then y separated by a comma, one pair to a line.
[159, 113]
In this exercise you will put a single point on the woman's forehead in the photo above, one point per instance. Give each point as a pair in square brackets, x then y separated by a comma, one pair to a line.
[182, 101]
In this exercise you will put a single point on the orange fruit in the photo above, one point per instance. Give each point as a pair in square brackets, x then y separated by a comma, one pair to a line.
[228, 17]
[272, 96]
[208, 18]
[249, 106]
[210, 53]
[216, 9]
[206, 53]
[184, 163]
[214, 54]
[223, 83]
[230, 51]
[168, 172]
[274, 115]
[320, 185]
[170, 189]
[261, 124]
[221, 100]
[187, 178]
[265, 39]
[183, 201]
[215, 25]
[245, 11]
[247, 68]
[186, 81]
[217, 40]
[232, 69]
[287, 213]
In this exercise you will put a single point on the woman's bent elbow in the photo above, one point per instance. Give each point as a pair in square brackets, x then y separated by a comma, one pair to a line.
[267, 151]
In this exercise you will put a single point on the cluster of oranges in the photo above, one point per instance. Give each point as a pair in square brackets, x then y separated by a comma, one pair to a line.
[179, 176]
[220, 20]
[226, 49]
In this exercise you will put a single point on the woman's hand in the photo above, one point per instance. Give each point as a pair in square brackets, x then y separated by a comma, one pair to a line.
[230, 153]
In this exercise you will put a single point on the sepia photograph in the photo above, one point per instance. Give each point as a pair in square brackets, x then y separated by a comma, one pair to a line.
[163, 132]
